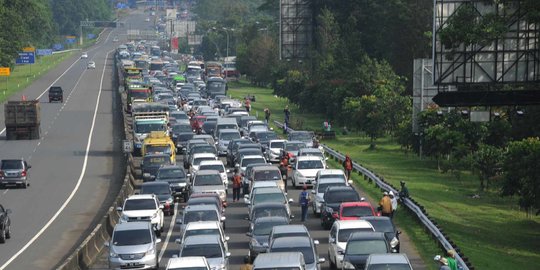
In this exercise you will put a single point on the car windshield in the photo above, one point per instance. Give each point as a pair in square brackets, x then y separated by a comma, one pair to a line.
[269, 212]
[382, 225]
[152, 160]
[171, 173]
[155, 189]
[201, 232]
[205, 215]
[268, 197]
[276, 144]
[181, 128]
[216, 167]
[294, 146]
[203, 148]
[179, 116]
[229, 136]
[267, 175]
[200, 102]
[309, 257]
[389, 266]
[11, 164]
[357, 211]
[323, 176]
[341, 196]
[131, 237]
[266, 136]
[197, 161]
[322, 187]
[140, 204]
[310, 164]
[149, 127]
[265, 228]
[366, 247]
[207, 180]
[247, 161]
[344, 234]
[208, 251]
[314, 153]
[139, 94]
[158, 149]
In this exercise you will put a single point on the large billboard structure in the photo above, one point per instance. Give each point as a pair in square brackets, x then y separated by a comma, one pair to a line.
[513, 57]
[296, 26]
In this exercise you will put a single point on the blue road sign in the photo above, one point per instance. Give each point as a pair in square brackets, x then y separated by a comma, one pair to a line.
[70, 40]
[58, 46]
[90, 36]
[43, 51]
[25, 58]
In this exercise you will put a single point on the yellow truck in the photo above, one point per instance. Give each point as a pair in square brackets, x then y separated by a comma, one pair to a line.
[158, 142]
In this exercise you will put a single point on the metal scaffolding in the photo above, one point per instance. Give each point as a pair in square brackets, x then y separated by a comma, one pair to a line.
[296, 22]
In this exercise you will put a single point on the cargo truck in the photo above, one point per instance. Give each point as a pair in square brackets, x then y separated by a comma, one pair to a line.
[158, 142]
[22, 119]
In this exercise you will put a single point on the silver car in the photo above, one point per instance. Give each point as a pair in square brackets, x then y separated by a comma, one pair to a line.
[318, 192]
[209, 181]
[133, 245]
[209, 246]
[302, 244]
[14, 172]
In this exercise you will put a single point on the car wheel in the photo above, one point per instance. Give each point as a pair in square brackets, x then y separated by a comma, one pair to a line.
[158, 233]
[2, 236]
[8, 232]
[332, 263]
[24, 185]
[293, 183]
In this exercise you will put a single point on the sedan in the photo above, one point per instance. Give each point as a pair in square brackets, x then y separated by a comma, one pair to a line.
[301, 244]
[259, 231]
[5, 224]
[209, 246]
[91, 65]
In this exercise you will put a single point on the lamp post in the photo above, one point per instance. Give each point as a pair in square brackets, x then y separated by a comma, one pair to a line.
[227, 32]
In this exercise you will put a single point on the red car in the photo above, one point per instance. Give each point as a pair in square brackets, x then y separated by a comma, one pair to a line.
[197, 121]
[355, 210]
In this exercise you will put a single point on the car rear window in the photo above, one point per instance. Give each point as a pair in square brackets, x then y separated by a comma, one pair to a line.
[362, 247]
[344, 234]
[131, 237]
[266, 175]
[140, 204]
[339, 196]
[357, 211]
[11, 164]
[207, 180]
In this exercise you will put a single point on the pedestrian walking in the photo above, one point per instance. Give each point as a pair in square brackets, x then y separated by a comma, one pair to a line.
[385, 204]
[393, 199]
[287, 114]
[247, 103]
[404, 192]
[284, 167]
[347, 166]
[443, 262]
[304, 202]
[237, 184]
[267, 114]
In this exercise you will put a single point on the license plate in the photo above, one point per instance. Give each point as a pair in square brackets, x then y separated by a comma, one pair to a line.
[308, 181]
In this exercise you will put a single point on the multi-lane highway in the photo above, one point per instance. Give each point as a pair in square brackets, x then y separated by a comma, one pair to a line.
[76, 164]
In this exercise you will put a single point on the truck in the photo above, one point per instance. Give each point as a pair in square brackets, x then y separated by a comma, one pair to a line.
[215, 86]
[229, 65]
[158, 142]
[146, 122]
[213, 69]
[22, 119]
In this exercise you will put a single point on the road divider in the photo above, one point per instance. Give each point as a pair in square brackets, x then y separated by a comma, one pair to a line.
[412, 206]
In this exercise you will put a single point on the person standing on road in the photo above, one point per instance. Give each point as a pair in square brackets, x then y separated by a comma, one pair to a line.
[236, 185]
[393, 199]
[304, 202]
[451, 258]
[385, 204]
[267, 114]
[284, 167]
[443, 262]
[347, 166]
[248, 104]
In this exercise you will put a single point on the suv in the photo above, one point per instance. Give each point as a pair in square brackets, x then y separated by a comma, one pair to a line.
[304, 170]
[259, 232]
[333, 197]
[208, 181]
[302, 244]
[5, 224]
[360, 245]
[56, 94]
[177, 179]
[143, 207]
[319, 189]
[338, 236]
[14, 172]
[133, 245]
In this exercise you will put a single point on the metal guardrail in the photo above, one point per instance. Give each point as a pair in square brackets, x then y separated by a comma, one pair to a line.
[412, 206]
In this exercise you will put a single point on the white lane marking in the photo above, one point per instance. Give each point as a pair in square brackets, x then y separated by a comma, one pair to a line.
[169, 233]
[79, 181]
[6, 191]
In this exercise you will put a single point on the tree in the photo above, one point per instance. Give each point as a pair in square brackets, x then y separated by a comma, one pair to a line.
[441, 142]
[487, 162]
[521, 172]
[367, 113]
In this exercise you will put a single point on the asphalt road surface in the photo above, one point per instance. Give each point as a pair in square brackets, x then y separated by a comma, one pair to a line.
[76, 164]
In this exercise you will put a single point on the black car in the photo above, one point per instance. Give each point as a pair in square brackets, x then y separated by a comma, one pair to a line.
[163, 192]
[151, 164]
[232, 145]
[386, 226]
[5, 224]
[181, 139]
[56, 94]
[259, 231]
[263, 137]
[333, 197]
[177, 179]
[360, 245]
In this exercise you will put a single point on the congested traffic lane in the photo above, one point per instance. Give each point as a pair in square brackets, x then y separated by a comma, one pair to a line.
[73, 164]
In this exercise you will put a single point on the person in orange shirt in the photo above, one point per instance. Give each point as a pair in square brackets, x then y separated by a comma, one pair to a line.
[284, 167]
[236, 185]
[385, 204]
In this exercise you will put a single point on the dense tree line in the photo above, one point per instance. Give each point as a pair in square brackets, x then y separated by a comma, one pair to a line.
[39, 23]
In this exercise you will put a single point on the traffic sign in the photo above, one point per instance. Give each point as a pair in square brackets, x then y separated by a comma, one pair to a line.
[5, 71]
[29, 49]
[43, 51]
[128, 146]
[87, 23]
[26, 58]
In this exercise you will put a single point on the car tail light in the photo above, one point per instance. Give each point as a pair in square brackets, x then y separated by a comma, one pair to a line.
[1, 173]
[23, 173]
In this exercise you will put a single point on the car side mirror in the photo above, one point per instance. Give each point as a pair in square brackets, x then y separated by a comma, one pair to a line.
[350, 182]
[291, 200]
[227, 255]
[178, 240]
[158, 240]
[313, 191]
[8, 211]
[107, 244]
[332, 240]
[341, 252]
[228, 170]
[246, 201]
[179, 221]
[227, 238]
[316, 242]
[398, 232]
[188, 175]
[249, 234]
[119, 209]
[223, 218]
[29, 166]
[326, 158]
[322, 260]
[161, 206]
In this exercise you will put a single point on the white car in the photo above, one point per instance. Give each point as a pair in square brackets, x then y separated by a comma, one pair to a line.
[197, 159]
[331, 173]
[304, 170]
[143, 207]
[204, 228]
[218, 166]
[273, 152]
[339, 234]
[188, 263]
[91, 65]
[318, 192]
[250, 159]
[84, 55]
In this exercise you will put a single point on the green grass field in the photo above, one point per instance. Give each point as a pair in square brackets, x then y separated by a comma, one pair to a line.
[490, 230]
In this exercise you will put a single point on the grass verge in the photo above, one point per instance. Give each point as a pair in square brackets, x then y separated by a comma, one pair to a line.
[490, 230]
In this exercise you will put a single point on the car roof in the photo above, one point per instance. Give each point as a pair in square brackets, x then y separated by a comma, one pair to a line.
[340, 188]
[228, 130]
[207, 172]
[302, 158]
[273, 219]
[252, 157]
[330, 180]
[202, 155]
[292, 228]
[330, 171]
[269, 205]
[278, 259]
[141, 196]
[266, 167]
[310, 150]
[154, 183]
[353, 204]
[201, 225]
[200, 207]
[366, 236]
[188, 262]
[294, 142]
[353, 224]
[264, 184]
[211, 162]
[202, 239]
[303, 241]
[170, 166]
[128, 226]
[388, 258]
[281, 140]
[268, 190]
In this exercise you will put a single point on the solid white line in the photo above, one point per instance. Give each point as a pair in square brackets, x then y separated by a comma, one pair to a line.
[169, 233]
[79, 181]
